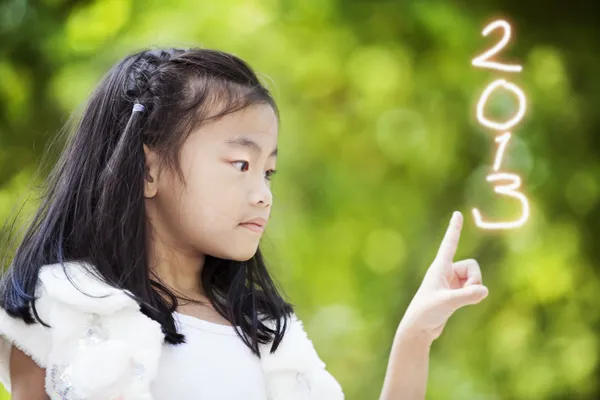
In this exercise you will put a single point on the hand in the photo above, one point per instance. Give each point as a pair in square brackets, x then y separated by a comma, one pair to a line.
[446, 287]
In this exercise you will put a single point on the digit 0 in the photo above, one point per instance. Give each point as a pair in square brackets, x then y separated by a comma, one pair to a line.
[500, 126]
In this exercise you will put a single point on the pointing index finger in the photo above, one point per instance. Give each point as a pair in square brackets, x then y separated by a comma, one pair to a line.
[450, 241]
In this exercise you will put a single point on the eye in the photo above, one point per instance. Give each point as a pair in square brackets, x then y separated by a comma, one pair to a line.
[269, 172]
[242, 161]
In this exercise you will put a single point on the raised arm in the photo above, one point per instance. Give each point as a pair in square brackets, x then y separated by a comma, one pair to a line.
[408, 367]
[447, 286]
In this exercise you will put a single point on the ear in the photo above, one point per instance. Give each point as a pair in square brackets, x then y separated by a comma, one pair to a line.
[151, 175]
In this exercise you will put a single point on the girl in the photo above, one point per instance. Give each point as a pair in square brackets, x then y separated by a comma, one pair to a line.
[140, 276]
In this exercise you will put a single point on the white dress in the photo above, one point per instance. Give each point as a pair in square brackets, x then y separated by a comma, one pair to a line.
[213, 363]
[101, 346]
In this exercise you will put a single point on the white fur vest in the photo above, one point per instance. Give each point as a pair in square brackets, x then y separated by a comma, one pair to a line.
[101, 346]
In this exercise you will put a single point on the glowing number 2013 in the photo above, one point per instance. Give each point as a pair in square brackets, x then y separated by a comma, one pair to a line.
[509, 189]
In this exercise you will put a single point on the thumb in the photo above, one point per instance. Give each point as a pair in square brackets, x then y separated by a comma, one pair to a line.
[467, 295]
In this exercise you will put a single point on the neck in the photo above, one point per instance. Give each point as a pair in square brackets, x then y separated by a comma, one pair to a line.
[172, 260]
[178, 270]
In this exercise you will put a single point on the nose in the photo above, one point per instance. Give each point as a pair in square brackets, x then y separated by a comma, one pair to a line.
[263, 194]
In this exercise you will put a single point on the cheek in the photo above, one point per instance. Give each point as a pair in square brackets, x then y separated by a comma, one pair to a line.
[210, 202]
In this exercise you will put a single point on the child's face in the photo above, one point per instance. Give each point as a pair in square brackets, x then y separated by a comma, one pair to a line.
[226, 185]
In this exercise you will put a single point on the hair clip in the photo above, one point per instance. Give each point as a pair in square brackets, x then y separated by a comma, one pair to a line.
[138, 107]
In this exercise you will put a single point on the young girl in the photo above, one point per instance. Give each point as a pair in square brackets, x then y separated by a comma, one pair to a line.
[140, 276]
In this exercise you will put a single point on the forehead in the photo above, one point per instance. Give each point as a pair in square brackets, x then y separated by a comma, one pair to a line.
[258, 122]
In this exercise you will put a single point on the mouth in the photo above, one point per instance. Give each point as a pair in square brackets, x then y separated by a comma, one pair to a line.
[253, 227]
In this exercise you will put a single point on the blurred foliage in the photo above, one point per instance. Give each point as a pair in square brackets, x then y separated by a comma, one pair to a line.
[378, 145]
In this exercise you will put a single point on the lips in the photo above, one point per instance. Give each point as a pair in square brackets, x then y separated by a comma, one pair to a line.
[261, 222]
[253, 227]
[255, 224]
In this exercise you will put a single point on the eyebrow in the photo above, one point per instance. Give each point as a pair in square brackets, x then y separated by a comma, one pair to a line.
[246, 142]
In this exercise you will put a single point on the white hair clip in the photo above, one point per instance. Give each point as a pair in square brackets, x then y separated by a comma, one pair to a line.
[138, 107]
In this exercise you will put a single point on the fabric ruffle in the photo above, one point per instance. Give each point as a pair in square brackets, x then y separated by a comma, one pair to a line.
[103, 347]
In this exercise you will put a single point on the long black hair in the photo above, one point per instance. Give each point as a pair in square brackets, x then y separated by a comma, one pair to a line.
[92, 208]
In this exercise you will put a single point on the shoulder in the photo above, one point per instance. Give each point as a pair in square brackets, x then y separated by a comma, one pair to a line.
[295, 370]
[77, 285]
[35, 340]
[98, 343]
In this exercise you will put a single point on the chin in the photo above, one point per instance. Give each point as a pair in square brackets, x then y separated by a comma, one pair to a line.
[235, 248]
[240, 254]
[243, 257]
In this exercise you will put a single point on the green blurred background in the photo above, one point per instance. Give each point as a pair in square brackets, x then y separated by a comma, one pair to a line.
[378, 145]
